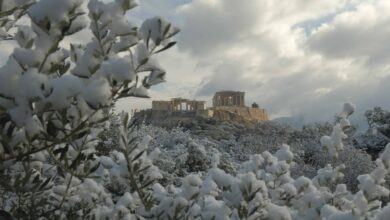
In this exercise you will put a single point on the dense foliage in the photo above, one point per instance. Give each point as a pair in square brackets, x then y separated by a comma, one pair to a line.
[54, 97]
[236, 143]
[376, 137]
[379, 119]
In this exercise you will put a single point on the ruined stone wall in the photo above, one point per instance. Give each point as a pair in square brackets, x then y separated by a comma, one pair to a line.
[207, 113]
[246, 113]
[258, 114]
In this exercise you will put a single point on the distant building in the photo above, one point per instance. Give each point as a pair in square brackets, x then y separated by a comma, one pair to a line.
[234, 102]
[179, 105]
[227, 105]
[229, 98]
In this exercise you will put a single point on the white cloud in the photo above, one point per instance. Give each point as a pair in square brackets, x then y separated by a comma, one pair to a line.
[261, 47]
[359, 34]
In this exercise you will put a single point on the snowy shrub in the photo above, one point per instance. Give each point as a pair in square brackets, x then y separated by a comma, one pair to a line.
[164, 138]
[375, 138]
[263, 188]
[53, 99]
[379, 119]
[197, 158]
[110, 136]
[243, 142]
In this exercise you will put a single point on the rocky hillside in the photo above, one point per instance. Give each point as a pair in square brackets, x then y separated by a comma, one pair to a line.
[191, 120]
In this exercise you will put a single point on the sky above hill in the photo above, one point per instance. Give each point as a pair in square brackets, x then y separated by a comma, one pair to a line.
[293, 57]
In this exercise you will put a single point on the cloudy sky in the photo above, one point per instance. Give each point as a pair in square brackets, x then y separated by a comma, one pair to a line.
[293, 57]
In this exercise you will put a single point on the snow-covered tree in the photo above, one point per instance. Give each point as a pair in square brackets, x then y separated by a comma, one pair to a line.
[375, 138]
[380, 119]
[53, 98]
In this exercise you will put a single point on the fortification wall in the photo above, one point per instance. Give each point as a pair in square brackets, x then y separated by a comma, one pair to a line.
[244, 113]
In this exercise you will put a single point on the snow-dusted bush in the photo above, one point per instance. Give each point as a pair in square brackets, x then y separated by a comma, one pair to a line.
[163, 138]
[379, 119]
[304, 143]
[53, 99]
[375, 138]
[263, 188]
[110, 136]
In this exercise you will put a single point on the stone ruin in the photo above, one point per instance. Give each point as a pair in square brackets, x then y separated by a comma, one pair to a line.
[227, 106]
[230, 106]
[229, 98]
[179, 105]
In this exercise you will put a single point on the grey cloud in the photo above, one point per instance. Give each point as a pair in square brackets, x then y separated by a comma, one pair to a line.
[355, 36]
[257, 48]
[227, 76]
[209, 28]
[300, 94]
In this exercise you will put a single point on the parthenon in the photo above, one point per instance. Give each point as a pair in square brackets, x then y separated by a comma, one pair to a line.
[229, 98]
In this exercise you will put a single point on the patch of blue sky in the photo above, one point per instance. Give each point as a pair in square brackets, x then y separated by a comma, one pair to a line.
[310, 25]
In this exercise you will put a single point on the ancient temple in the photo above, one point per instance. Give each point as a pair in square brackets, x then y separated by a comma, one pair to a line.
[234, 102]
[229, 98]
[227, 106]
[179, 105]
